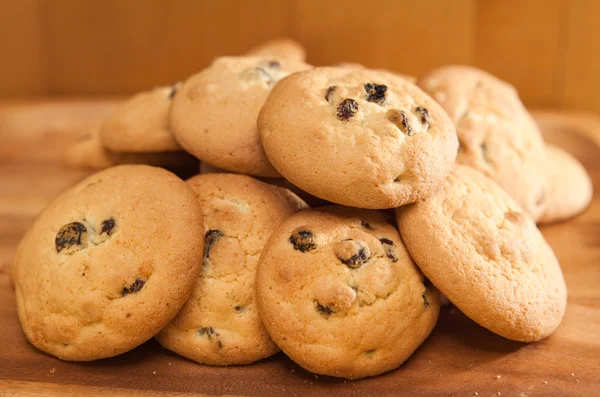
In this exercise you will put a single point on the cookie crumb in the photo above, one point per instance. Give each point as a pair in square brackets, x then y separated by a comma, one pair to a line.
[572, 374]
[545, 382]
[154, 373]
[169, 363]
[498, 393]
[53, 370]
[498, 376]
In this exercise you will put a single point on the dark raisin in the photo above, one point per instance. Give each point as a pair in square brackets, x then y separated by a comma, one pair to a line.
[389, 250]
[330, 91]
[365, 224]
[239, 309]
[401, 121]
[375, 93]
[70, 235]
[219, 344]
[324, 310]
[302, 240]
[210, 237]
[108, 226]
[423, 115]
[274, 65]
[356, 260]
[174, 89]
[135, 287]
[347, 109]
[425, 299]
[386, 241]
[370, 351]
[208, 331]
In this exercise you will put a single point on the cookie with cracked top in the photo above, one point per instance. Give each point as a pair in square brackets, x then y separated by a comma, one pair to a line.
[108, 263]
[220, 324]
[214, 113]
[339, 294]
[497, 134]
[357, 137]
[485, 254]
[141, 123]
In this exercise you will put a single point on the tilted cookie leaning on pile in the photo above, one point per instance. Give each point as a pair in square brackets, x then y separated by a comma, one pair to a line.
[228, 269]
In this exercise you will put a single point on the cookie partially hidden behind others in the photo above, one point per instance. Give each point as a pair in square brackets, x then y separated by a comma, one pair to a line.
[357, 137]
[339, 294]
[486, 255]
[214, 113]
[569, 188]
[109, 263]
[220, 324]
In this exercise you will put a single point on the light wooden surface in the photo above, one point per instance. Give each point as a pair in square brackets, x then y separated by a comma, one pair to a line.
[459, 358]
[549, 49]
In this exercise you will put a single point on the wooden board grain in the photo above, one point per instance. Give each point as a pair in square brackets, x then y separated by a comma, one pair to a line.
[458, 359]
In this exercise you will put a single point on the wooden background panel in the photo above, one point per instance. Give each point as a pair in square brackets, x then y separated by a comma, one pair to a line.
[547, 48]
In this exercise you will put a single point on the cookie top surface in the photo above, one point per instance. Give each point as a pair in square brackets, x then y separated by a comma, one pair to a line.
[339, 294]
[357, 137]
[214, 113]
[108, 263]
[569, 189]
[141, 124]
[485, 254]
[219, 324]
[282, 47]
[497, 135]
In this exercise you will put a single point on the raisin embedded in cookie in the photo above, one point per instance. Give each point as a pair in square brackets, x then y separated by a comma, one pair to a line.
[108, 263]
[141, 124]
[357, 137]
[568, 190]
[339, 294]
[485, 254]
[219, 324]
[497, 135]
[214, 112]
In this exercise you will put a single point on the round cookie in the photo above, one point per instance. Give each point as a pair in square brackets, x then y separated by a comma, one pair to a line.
[282, 47]
[219, 324]
[88, 152]
[497, 135]
[357, 137]
[214, 113]
[485, 254]
[339, 294]
[569, 189]
[108, 263]
[141, 124]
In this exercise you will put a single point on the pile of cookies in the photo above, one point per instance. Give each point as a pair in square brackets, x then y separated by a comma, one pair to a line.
[232, 265]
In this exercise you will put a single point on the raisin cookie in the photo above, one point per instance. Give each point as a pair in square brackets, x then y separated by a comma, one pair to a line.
[497, 135]
[108, 263]
[141, 124]
[357, 137]
[568, 186]
[88, 152]
[282, 47]
[485, 254]
[214, 114]
[219, 324]
[339, 294]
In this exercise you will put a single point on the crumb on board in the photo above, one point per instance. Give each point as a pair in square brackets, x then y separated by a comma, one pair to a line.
[53, 370]
[169, 363]
[498, 376]
[154, 373]
[572, 374]
[498, 393]
[545, 382]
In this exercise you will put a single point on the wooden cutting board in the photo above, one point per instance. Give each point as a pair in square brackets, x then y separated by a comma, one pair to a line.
[459, 358]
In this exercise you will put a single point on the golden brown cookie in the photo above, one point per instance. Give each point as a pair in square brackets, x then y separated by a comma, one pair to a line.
[141, 123]
[214, 113]
[569, 188]
[357, 137]
[340, 295]
[485, 254]
[108, 263]
[220, 324]
[497, 134]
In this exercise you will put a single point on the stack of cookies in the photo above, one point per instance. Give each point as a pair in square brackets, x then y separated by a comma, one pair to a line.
[232, 265]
